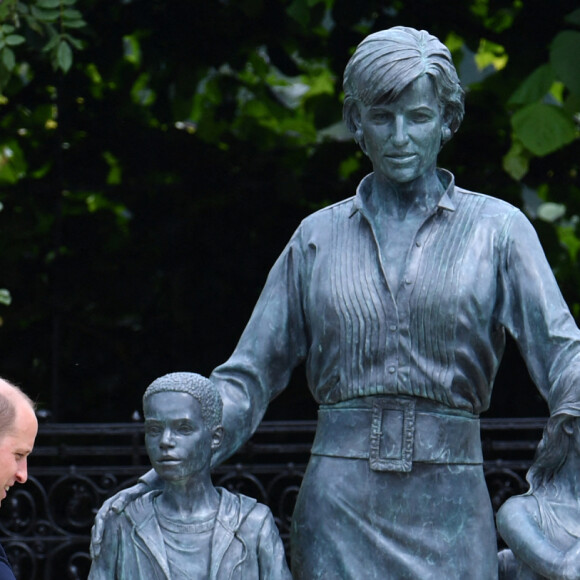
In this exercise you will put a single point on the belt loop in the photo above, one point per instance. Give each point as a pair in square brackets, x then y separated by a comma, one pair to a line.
[392, 455]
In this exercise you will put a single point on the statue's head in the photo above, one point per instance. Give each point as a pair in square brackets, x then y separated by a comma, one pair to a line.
[386, 62]
[183, 413]
[197, 386]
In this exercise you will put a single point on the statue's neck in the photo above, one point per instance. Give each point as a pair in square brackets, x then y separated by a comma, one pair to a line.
[186, 500]
[399, 200]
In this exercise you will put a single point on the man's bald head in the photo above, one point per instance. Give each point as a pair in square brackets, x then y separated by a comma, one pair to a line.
[11, 396]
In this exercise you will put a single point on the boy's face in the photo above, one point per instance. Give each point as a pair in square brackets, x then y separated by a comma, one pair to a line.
[178, 441]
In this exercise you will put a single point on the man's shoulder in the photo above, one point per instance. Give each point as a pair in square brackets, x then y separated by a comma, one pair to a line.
[6, 572]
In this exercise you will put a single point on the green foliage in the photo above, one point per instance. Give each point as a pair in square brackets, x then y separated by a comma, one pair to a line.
[37, 27]
[543, 128]
[148, 190]
[546, 113]
[5, 297]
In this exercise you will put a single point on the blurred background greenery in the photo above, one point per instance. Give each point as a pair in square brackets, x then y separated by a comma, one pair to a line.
[156, 155]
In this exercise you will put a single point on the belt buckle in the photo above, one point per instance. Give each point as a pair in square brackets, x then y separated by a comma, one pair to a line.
[392, 435]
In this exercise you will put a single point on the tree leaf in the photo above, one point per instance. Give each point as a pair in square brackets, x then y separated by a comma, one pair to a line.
[12, 163]
[543, 128]
[78, 44]
[516, 161]
[534, 86]
[8, 59]
[550, 211]
[64, 56]
[574, 17]
[14, 40]
[45, 15]
[48, 3]
[79, 23]
[54, 40]
[71, 14]
[565, 58]
[5, 297]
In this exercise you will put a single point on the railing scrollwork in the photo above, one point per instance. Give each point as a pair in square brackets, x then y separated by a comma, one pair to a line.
[45, 524]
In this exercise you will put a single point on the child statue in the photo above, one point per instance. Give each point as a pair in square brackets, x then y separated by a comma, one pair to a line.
[189, 529]
[542, 527]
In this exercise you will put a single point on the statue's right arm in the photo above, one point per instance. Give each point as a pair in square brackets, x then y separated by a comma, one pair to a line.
[273, 343]
[117, 504]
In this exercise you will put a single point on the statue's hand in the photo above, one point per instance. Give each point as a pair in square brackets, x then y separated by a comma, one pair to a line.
[571, 563]
[117, 504]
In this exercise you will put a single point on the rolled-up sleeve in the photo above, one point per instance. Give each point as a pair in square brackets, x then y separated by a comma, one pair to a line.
[534, 311]
[273, 343]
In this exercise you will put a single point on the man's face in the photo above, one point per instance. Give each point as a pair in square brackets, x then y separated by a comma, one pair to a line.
[178, 441]
[15, 446]
[403, 138]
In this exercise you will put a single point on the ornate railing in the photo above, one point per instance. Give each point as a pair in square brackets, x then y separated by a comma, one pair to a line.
[45, 524]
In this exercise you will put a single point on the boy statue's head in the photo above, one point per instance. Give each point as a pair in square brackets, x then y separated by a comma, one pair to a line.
[183, 413]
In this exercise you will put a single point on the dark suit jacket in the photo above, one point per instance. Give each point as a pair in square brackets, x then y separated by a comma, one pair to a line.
[5, 568]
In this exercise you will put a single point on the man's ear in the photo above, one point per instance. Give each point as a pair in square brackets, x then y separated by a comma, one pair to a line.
[217, 437]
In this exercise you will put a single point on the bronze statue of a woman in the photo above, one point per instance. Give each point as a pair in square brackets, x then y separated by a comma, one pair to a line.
[398, 300]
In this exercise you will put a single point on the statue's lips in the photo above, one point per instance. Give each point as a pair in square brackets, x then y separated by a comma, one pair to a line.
[168, 460]
[401, 157]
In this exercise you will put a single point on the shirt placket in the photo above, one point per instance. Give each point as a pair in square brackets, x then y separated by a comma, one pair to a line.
[399, 338]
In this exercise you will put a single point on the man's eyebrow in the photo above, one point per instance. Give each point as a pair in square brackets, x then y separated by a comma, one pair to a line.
[23, 450]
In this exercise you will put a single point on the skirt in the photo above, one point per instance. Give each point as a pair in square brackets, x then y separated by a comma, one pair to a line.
[432, 523]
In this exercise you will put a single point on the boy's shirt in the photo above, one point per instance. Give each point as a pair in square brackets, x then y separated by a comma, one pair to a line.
[245, 543]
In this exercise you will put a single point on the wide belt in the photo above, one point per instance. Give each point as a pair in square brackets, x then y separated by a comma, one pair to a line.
[393, 432]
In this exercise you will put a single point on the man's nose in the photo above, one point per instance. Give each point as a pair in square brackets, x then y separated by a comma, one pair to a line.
[22, 471]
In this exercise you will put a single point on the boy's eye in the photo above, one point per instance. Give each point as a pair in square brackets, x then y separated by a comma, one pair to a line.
[152, 430]
[185, 429]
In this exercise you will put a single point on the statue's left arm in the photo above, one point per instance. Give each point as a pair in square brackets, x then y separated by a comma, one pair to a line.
[534, 311]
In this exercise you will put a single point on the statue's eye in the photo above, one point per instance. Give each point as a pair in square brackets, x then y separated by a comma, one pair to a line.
[152, 430]
[186, 429]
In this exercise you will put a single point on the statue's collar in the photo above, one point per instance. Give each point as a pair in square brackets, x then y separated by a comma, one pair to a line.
[446, 201]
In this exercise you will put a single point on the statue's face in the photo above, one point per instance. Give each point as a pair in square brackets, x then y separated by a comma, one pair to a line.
[178, 442]
[403, 138]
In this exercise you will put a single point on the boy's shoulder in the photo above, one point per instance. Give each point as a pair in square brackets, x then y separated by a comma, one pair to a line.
[236, 506]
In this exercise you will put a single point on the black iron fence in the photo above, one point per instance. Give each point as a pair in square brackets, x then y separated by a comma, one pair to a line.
[45, 524]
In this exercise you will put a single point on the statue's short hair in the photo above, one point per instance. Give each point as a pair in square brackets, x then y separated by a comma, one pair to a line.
[386, 62]
[199, 387]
